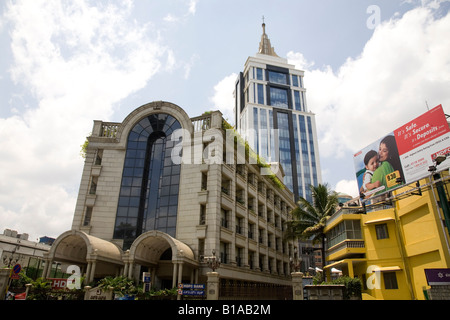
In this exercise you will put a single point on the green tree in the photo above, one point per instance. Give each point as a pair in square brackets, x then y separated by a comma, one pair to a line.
[39, 289]
[120, 285]
[309, 218]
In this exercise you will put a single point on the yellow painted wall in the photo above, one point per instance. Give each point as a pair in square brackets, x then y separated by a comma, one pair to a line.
[416, 242]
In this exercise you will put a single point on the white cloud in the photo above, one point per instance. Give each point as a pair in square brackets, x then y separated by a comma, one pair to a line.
[187, 66]
[299, 60]
[349, 187]
[434, 4]
[170, 18]
[404, 64]
[223, 98]
[192, 7]
[78, 61]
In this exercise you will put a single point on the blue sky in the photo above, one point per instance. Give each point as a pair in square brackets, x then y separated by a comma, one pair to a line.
[64, 64]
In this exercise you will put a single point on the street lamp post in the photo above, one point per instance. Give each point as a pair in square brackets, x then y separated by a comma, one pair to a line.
[213, 277]
[212, 261]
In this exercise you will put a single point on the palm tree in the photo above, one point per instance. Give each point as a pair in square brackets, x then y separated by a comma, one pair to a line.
[309, 218]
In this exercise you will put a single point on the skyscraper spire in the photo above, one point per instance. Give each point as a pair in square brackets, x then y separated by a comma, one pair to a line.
[264, 46]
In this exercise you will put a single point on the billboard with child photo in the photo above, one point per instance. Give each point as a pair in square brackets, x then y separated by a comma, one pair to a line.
[404, 155]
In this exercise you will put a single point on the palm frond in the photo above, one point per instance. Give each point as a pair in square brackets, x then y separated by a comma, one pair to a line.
[309, 218]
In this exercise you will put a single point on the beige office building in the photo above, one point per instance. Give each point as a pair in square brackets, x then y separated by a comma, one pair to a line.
[160, 191]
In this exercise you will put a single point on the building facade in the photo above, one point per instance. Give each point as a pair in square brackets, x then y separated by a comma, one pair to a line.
[389, 245]
[272, 113]
[18, 249]
[156, 195]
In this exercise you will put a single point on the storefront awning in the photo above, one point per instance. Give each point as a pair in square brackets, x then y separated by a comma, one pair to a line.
[387, 269]
[379, 220]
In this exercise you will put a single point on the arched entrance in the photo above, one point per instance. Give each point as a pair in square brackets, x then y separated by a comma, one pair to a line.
[169, 260]
[96, 258]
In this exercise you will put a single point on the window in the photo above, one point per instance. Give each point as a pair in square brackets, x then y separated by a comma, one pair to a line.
[201, 249]
[148, 197]
[262, 258]
[224, 252]
[239, 225]
[240, 196]
[239, 256]
[93, 188]
[251, 258]
[251, 231]
[224, 215]
[297, 102]
[260, 94]
[261, 236]
[87, 216]
[277, 77]
[202, 214]
[285, 148]
[259, 74]
[382, 231]
[226, 186]
[264, 133]
[295, 80]
[390, 280]
[204, 181]
[279, 97]
[348, 229]
[98, 157]
[311, 148]
[255, 126]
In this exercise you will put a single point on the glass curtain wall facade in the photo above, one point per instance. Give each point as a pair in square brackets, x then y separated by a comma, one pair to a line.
[271, 112]
[148, 197]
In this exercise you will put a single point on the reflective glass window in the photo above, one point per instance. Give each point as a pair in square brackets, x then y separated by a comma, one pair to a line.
[277, 77]
[279, 97]
[150, 180]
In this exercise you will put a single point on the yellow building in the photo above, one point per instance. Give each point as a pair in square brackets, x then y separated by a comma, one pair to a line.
[390, 244]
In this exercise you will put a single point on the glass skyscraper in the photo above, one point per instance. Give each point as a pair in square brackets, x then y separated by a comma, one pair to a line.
[272, 114]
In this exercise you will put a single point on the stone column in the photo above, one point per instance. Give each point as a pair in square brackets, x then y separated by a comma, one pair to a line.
[88, 273]
[180, 277]
[130, 270]
[125, 270]
[180, 273]
[174, 275]
[212, 289]
[92, 274]
[297, 285]
[48, 268]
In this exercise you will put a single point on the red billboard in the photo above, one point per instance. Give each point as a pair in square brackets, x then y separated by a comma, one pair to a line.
[404, 155]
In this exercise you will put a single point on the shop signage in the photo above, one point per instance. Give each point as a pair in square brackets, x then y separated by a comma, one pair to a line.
[436, 277]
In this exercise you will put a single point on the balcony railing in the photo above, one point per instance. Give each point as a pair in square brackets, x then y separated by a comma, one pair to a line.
[109, 129]
[201, 123]
[345, 210]
[346, 244]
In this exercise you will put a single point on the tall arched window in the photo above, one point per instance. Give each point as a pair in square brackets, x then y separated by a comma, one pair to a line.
[148, 197]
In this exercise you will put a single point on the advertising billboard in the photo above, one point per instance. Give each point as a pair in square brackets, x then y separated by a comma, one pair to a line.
[403, 155]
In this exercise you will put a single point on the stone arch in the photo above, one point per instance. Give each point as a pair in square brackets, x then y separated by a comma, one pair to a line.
[147, 250]
[93, 255]
[151, 108]
[150, 245]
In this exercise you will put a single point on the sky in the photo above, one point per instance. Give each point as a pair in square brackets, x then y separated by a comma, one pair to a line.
[370, 67]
